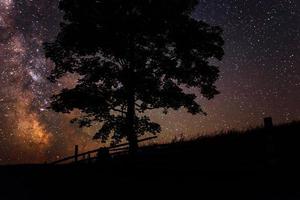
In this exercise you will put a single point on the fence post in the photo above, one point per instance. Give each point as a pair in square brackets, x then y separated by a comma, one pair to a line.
[76, 153]
[89, 158]
[268, 122]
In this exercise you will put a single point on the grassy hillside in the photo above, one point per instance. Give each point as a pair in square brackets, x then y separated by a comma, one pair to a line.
[235, 150]
[255, 164]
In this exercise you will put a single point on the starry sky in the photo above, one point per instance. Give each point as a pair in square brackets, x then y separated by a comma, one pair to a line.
[260, 77]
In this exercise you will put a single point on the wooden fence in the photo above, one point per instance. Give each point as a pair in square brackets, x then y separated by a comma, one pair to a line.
[90, 156]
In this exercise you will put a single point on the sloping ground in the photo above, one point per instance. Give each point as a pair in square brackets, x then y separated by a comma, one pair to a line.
[256, 164]
[253, 149]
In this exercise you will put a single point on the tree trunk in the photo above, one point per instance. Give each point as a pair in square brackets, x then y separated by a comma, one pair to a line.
[131, 134]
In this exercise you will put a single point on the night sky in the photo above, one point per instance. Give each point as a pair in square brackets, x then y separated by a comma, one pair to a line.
[260, 77]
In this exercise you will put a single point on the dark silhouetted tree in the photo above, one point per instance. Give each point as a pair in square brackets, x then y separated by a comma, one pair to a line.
[132, 56]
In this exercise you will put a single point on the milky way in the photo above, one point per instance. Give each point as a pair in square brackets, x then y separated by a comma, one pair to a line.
[29, 132]
[260, 76]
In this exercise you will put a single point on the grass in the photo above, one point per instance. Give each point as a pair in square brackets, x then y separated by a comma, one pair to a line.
[253, 164]
[235, 150]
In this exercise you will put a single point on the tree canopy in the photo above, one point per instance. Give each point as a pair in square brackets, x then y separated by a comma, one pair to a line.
[132, 56]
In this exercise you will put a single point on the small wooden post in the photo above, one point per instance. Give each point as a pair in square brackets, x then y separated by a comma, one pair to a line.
[76, 153]
[268, 122]
[89, 158]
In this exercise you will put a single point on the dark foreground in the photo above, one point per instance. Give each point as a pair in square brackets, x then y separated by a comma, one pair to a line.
[258, 164]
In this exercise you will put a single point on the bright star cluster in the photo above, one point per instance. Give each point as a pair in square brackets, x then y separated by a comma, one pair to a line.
[260, 77]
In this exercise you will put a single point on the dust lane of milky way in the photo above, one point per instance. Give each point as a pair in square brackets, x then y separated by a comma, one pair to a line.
[260, 76]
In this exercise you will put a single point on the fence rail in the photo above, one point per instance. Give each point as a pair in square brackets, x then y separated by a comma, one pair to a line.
[112, 151]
